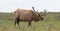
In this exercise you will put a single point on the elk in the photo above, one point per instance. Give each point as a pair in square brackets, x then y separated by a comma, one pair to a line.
[26, 15]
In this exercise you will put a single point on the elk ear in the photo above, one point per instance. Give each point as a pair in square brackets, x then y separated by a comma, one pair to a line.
[42, 14]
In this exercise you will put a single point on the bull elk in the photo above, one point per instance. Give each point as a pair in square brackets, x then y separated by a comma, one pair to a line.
[26, 15]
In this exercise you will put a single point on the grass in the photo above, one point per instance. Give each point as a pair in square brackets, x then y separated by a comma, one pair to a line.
[51, 22]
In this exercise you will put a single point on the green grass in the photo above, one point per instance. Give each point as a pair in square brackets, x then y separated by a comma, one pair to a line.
[51, 22]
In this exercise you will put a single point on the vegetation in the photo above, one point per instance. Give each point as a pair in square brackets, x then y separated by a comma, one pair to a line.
[51, 22]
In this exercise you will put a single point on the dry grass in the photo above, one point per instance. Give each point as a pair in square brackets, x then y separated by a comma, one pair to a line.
[50, 23]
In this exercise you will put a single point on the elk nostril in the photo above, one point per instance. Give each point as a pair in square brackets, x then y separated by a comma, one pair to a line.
[42, 18]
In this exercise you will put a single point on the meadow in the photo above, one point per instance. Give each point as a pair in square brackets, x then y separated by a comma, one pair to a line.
[51, 22]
